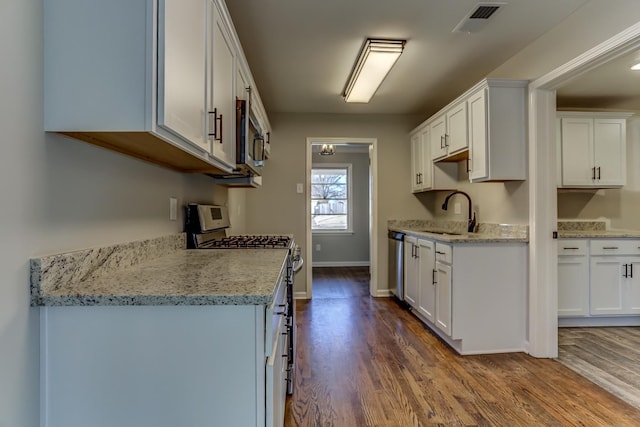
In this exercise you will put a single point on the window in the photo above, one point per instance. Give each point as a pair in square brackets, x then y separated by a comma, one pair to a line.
[331, 198]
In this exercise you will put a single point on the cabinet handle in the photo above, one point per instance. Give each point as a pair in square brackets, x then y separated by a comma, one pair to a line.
[433, 277]
[441, 253]
[610, 247]
[575, 249]
[631, 271]
[446, 138]
[593, 173]
[468, 164]
[417, 180]
[441, 141]
[216, 134]
[598, 172]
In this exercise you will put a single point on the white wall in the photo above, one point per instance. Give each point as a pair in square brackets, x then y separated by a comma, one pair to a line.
[59, 194]
[277, 208]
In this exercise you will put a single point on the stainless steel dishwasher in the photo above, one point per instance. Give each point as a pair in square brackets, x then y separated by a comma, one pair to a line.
[396, 264]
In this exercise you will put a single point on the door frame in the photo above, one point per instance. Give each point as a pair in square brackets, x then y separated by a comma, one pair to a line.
[373, 208]
[543, 214]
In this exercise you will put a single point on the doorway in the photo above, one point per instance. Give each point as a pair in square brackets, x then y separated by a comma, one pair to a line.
[341, 205]
[543, 285]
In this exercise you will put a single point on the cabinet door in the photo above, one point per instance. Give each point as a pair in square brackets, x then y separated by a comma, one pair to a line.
[609, 137]
[632, 290]
[573, 286]
[410, 271]
[416, 163]
[478, 167]
[577, 152]
[427, 164]
[437, 131]
[181, 69]
[606, 285]
[443, 297]
[456, 138]
[222, 89]
[426, 279]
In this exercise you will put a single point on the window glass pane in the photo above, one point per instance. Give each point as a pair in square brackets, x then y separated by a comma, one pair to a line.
[329, 207]
[329, 176]
[328, 191]
[329, 198]
[329, 222]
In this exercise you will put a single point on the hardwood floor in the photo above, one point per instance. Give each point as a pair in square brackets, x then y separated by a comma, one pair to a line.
[366, 361]
[341, 282]
[610, 357]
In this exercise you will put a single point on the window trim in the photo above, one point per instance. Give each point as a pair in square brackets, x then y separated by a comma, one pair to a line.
[349, 168]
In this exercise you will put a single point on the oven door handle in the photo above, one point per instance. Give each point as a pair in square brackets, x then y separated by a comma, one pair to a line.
[297, 264]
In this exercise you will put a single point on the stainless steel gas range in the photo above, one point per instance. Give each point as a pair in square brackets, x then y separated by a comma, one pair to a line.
[207, 228]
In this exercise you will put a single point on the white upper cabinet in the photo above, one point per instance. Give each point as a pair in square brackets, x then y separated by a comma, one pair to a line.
[142, 77]
[449, 132]
[485, 126]
[592, 149]
[497, 131]
[181, 61]
[222, 96]
[426, 175]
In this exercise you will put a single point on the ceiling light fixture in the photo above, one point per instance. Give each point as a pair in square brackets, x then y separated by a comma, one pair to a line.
[372, 66]
[327, 150]
[636, 67]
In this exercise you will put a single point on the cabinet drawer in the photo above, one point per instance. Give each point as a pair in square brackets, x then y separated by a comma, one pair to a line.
[615, 247]
[572, 247]
[443, 253]
[274, 313]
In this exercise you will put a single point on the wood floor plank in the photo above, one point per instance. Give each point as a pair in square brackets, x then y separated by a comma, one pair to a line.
[366, 361]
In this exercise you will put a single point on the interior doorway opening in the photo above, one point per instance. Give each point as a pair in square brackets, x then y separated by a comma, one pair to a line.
[341, 207]
[543, 214]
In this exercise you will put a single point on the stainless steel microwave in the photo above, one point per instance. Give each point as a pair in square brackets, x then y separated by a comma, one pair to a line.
[250, 143]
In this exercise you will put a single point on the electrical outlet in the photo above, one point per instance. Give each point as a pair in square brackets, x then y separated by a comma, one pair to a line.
[173, 209]
[318, 247]
[299, 188]
[456, 208]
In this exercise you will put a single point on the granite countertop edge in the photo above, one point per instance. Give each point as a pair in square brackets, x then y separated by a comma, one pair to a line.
[156, 272]
[475, 238]
[594, 234]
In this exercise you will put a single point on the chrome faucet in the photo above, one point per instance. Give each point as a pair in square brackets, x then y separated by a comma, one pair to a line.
[471, 225]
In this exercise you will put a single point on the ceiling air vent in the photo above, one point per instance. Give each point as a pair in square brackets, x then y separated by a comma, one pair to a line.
[478, 17]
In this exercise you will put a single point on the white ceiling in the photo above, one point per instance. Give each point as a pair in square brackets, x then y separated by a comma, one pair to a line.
[611, 86]
[301, 51]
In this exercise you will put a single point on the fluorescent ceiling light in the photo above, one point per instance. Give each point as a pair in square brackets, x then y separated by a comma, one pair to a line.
[373, 64]
[636, 67]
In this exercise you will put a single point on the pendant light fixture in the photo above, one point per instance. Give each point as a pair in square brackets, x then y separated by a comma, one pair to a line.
[327, 150]
[374, 62]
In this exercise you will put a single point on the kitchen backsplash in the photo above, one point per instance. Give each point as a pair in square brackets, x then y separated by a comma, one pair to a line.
[591, 225]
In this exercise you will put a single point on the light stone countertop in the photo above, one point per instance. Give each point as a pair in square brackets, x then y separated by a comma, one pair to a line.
[591, 229]
[455, 231]
[157, 272]
[594, 234]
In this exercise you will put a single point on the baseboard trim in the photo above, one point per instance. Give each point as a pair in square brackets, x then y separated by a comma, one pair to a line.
[573, 322]
[300, 295]
[340, 264]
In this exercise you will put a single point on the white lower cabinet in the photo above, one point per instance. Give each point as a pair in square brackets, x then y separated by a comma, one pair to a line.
[615, 285]
[443, 288]
[599, 284]
[411, 266]
[163, 366]
[471, 295]
[426, 279]
[573, 278]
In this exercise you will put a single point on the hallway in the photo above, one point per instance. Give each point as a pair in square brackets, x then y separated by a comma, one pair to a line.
[366, 361]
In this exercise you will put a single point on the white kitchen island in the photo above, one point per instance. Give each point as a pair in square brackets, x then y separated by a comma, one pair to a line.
[184, 338]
